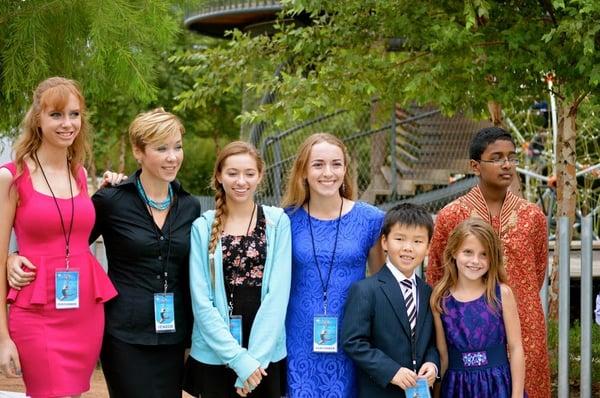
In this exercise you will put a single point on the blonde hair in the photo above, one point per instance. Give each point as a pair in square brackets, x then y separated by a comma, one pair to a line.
[496, 273]
[53, 92]
[153, 126]
[297, 192]
[231, 149]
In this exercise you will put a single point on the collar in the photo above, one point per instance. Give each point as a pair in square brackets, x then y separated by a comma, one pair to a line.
[477, 201]
[399, 276]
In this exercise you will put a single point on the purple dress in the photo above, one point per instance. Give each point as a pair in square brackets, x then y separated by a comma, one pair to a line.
[477, 352]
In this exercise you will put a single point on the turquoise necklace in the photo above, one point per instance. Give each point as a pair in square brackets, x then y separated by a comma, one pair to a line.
[164, 205]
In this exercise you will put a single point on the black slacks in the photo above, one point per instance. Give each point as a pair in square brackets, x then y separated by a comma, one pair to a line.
[144, 371]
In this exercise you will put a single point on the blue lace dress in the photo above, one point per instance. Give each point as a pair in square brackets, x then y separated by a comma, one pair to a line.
[316, 375]
[476, 341]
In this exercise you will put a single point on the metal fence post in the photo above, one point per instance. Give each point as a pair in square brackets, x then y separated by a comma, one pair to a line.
[393, 180]
[564, 243]
[586, 306]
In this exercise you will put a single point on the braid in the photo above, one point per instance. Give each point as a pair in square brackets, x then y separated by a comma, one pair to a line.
[217, 227]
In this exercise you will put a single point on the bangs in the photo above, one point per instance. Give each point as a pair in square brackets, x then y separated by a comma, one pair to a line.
[57, 98]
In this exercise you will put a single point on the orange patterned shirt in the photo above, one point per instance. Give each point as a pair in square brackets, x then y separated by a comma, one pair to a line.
[523, 231]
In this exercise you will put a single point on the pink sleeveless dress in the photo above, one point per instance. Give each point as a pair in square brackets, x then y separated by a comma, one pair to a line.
[58, 348]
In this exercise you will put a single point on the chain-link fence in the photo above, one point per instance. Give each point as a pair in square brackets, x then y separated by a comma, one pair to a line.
[413, 155]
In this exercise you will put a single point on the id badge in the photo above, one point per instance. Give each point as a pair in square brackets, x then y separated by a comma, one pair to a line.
[164, 313]
[235, 328]
[325, 334]
[66, 288]
[421, 390]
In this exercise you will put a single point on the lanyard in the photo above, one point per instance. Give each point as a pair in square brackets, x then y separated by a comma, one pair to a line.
[235, 274]
[324, 284]
[66, 235]
[164, 262]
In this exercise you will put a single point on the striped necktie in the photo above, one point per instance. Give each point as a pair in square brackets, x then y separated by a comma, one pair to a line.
[411, 308]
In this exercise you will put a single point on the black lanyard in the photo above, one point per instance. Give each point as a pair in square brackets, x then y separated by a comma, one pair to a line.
[66, 235]
[235, 274]
[164, 262]
[324, 284]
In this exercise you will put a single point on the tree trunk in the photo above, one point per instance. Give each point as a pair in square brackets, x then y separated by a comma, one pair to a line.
[566, 189]
[495, 110]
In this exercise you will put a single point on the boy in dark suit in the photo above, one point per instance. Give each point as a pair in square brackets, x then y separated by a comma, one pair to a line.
[388, 326]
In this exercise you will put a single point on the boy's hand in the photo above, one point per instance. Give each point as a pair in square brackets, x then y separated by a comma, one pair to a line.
[404, 378]
[428, 371]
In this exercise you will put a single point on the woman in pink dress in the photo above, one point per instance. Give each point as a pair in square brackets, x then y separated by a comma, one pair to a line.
[53, 330]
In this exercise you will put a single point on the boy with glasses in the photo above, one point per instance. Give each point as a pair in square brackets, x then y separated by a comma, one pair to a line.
[522, 228]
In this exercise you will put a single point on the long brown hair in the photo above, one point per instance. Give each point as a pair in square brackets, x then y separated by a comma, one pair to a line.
[297, 192]
[231, 149]
[53, 92]
[496, 273]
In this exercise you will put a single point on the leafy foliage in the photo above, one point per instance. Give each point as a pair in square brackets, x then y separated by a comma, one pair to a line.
[458, 54]
[110, 47]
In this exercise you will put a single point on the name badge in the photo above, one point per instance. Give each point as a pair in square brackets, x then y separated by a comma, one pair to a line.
[325, 334]
[421, 390]
[235, 328]
[164, 313]
[66, 288]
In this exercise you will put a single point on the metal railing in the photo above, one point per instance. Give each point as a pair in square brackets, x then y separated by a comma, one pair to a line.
[564, 282]
[211, 6]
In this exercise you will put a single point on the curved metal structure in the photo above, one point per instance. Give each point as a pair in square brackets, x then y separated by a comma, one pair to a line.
[215, 17]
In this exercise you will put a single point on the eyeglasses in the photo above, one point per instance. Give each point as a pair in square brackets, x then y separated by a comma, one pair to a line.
[501, 161]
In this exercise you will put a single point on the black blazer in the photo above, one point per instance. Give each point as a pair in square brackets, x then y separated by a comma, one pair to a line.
[376, 333]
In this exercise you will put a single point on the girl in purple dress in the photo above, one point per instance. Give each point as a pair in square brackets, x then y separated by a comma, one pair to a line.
[475, 316]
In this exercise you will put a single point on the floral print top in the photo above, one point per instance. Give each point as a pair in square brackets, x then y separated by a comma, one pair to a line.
[244, 259]
[244, 255]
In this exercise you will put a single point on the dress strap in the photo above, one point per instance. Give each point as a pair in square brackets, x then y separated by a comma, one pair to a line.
[22, 180]
[11, 166]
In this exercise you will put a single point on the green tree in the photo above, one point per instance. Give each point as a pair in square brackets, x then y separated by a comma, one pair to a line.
[110, 47]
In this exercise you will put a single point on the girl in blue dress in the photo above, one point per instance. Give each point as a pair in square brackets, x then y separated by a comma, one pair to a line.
[476, 320]
[333, 238]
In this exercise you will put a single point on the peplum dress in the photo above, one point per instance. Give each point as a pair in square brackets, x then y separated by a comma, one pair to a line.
[58, 348]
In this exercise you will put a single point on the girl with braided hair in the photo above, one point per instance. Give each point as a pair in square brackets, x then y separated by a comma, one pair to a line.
[240, 272]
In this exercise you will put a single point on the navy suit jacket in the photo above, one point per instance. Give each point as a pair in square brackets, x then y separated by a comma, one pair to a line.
[376, 333]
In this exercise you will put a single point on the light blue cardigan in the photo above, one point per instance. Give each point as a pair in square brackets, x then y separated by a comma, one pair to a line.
[212, 343]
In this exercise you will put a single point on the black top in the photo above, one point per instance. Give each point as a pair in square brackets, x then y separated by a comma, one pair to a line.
[244, 262]
[137, 252]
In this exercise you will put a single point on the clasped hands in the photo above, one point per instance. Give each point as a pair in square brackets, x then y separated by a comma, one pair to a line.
[252, 382]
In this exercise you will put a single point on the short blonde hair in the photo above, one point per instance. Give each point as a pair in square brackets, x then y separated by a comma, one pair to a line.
[53, 93]
[153, 126]
[297, 192]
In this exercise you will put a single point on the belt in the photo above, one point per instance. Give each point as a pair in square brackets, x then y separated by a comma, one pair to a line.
[481, 359]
